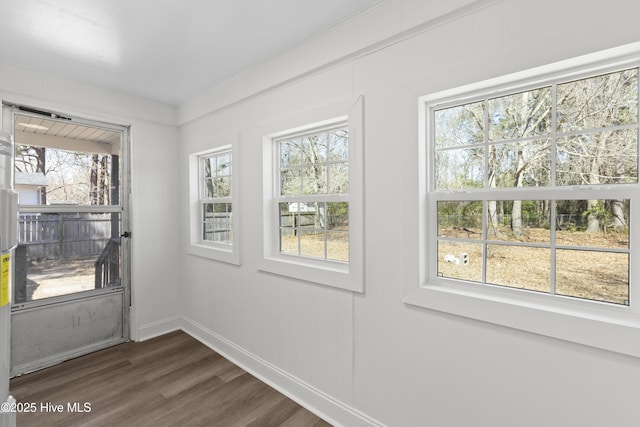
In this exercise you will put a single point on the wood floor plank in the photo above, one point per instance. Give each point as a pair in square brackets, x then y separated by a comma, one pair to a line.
[166, 381]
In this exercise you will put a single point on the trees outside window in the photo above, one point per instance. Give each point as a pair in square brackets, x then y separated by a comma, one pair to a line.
[532, 188]
[313, 194]
[216, 197]
[74, 177]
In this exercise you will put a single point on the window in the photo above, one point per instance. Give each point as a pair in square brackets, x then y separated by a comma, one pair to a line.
[313, 205]
[215, 198]
[539, 169]
[213, 203]
[313, 193]
[530, 184]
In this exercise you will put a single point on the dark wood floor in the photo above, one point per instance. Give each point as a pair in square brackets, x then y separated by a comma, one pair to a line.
[172, 380]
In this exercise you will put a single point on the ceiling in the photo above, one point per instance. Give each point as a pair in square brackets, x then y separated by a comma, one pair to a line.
[166, 50]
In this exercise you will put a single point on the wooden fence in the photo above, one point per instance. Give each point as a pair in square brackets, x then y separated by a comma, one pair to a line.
[64, 236]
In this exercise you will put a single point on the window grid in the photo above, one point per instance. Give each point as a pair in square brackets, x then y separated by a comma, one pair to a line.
[313, 208]
[216, 198]
[552, 193]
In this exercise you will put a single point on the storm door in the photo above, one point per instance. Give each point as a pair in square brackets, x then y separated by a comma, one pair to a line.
[71, 290]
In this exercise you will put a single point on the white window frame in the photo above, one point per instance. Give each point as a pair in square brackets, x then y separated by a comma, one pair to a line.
[601, 325]
[228, 253]
[342, 275]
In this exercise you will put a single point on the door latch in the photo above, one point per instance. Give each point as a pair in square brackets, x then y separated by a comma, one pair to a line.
[126, 234]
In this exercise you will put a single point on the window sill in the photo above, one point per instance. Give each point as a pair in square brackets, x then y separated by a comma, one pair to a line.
[332, 274]
[588, 323]
[218, 253]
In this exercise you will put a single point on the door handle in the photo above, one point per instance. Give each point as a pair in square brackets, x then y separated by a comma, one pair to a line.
[126, 234]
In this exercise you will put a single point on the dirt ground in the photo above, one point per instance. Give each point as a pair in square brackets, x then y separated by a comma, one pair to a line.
[59, 277]
[312, 245]
[589, 274]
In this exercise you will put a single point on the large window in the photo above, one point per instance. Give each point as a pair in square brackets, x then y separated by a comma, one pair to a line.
[530, 189]
[214, 200]
[313, 202]
[313, 193]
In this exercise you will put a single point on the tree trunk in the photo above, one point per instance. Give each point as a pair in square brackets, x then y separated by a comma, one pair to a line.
[516, 212]
[516, 218]
[103, 185]
[41, 167]
[93, 180]
[593, 223]
[492, 211]
[617, 212]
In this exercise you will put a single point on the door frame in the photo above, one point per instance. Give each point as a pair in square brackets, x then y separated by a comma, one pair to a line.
[85, 298]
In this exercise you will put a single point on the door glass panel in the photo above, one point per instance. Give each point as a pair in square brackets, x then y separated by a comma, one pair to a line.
[52, 169]
[67, 175]
[64, 253]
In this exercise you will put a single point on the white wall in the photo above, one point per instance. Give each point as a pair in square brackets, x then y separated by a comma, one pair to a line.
[366, 358]
[154, 214]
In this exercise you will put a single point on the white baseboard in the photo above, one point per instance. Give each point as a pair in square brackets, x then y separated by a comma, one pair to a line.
[321, 404]
[155, 329]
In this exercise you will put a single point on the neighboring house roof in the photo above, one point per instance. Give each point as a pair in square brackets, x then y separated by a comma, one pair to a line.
[31, 178]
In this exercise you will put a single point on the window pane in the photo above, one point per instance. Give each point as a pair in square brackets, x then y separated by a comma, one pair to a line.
[459, 125]
[314, 149]
[338, 216]
[598, 158]
[289, 241]
[209, 165]
[315, 164]
[288, 214]
[462, 168]
[459, 260]
[51, 176]
[290, 153]
[339, 178]
[526, 221]
[208, 210]
[288, 218]
[303, 230]
[222, 186]
[208, 189]
[520, 164]
[593, 223]
[461, 220]
[207, 219]
[338, 246]
[216, 171]
[217, 223]
[223, 223]
[519, 267]
[338, 145]
[290, 182]
[600, 276]
[65, 253]
[597, 102]
[223, 165]
[314, 179]
[312, 243]
[520, 115]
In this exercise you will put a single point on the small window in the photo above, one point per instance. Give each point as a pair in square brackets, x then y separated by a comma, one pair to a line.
[529, 183]
[214, 199]
[313, 202]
